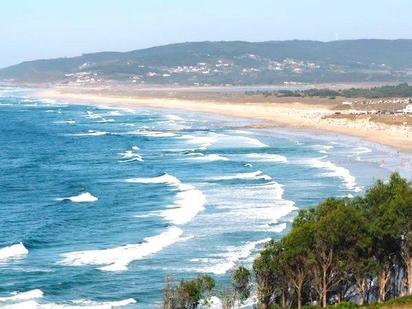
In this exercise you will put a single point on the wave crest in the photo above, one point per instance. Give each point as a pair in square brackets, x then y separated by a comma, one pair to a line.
[85, 197]
[117, 259]
[189, 200]
[13, 252]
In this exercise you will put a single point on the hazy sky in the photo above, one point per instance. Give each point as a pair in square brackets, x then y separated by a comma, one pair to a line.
[32, 29]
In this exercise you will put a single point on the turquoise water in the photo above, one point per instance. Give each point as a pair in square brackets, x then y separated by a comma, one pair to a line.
[98, 205]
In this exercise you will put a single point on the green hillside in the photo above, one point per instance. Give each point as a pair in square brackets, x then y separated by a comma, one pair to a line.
[230, 63]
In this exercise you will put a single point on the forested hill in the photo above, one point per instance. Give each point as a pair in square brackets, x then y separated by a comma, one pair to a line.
[235, 62]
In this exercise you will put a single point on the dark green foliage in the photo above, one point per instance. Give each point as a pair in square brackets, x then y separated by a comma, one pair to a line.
[402, 90]
[343, 250]
[187, 294]
[240, 281]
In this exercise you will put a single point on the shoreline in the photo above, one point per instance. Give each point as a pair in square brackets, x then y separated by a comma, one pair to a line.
[292, 114]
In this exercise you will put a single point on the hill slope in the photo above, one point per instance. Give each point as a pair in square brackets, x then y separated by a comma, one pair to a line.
[230, 63]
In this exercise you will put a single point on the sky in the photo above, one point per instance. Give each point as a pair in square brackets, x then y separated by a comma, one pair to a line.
[39, 29]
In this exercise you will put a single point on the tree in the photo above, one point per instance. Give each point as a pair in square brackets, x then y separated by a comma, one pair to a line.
[269, 276]
[297, 257]
[187, 294]
[240, 282]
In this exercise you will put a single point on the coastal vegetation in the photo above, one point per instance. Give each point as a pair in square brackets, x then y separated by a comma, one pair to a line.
[344, 252]
[402, 90]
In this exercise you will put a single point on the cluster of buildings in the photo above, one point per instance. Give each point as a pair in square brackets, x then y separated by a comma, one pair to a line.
[387, 106]
[83, 78]
[292, 65]
[245, 65]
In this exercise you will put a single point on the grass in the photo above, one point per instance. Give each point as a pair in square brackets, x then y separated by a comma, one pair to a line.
[397, 303]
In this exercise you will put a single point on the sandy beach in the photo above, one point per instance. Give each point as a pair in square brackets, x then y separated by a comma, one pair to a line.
[291, 112]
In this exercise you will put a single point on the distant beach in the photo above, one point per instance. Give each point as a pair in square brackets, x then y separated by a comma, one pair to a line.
[294, 112]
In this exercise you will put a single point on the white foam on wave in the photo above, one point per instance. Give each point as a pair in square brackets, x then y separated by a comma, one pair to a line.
[102, 305]
[245, 176]
[131, 155]
[174, 117]
[47, 101]
[32, 300]
[324, 149]
[362, 150]
[223, 262]
[84, 197]
[336, 171]
[188, 203]
[209, 158]
[258, 207]
[117, 259]
[70, 121]
[266, 157]
[263, 213]
[90, 133]
[13, 252]
[97, 117]
[222, 140]
[114, 114]
[359, 151]
[20, 296]
[203, 141]
[149, 133]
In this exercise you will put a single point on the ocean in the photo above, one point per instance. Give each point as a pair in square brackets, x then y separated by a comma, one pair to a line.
[99, 204]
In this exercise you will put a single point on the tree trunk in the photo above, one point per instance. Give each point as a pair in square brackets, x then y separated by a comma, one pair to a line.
[299, 296]
[408, 270]
[382, 281]
[361, 285]
[324, 288]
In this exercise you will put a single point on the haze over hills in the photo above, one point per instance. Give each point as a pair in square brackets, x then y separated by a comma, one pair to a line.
[234, 62]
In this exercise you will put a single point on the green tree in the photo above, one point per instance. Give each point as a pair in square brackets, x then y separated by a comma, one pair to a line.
[297, 257]
[241, 283]
[187, 294]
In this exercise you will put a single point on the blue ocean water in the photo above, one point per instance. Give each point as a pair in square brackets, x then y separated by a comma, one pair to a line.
[99, 205]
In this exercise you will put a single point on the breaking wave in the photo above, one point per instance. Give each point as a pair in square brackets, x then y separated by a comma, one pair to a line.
[149, 133]
[90, 133]
[221, 263]
[209, 158]
[85, 197]
[31, 300]
[334, 170]
[131, 155]
[13, 252]
[266, 157]
[246, 176]
[188, 203]
[117, 259]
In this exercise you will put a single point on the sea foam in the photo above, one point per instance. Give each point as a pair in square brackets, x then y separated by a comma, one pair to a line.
[32, 300]
[97, 117]
[13, 252]
[246, 176]
[334, 170]
[91, 133]
[223, 141]
[131, 155]
[85, 197]
[117, 259]
[149, 133]
[188, 203]
[266, 157]
[21, 296]
[209, 158]
[223, 262]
